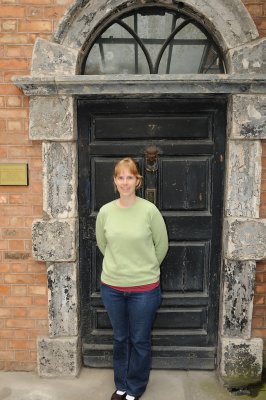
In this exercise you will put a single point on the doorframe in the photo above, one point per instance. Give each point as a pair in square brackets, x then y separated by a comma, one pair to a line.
[53, 121]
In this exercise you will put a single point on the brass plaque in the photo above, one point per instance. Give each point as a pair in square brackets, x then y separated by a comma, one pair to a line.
[13, 174]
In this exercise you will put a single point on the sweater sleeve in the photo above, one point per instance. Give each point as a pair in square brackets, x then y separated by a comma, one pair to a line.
[159, 234]
[100, 236]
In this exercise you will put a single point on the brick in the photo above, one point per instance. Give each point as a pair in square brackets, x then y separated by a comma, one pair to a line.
[3, 199]
[35, 26]
[15, 125]
[4, 221]
[18, 301]
[259, 300]
[9, 38]
[5, 312]
[9, 89]
[9, 74]
[6, 355]
[4, 268]
[259, 333]
[19, 51]
[259, 310]
[15, 255]
[19, 278]
[3, 244]
[260, 288]
[260, 23]
[3, 151]
[261, 266]
[42, 325]
[9, 25]
[7, 113]
[40, 301]
[4, 290]
[2, 122]
[37, 290]
[20, 323]
[13, 11]
[34, 199]
[40, 279]
[256, 10]
[257, 322]
[19, 268]
[21, 344]
[54, 12]
[16, 221]
[260, 277]
[14, 64]
[20, 312]
[38, 312]
[19, 210]
[21, 333]
[16, 199]
[35, 11]
[16, 245]
[19, 290]
[23, 355]
[3, 344]
[14, 101]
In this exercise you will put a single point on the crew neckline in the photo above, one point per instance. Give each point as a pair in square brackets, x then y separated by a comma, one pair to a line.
[126, 208]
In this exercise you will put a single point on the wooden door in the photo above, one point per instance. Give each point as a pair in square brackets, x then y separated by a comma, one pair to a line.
[189, 135]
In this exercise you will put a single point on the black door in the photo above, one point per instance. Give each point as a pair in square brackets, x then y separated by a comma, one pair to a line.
[187, 185]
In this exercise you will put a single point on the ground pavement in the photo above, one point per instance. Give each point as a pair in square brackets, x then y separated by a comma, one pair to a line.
[97, 384]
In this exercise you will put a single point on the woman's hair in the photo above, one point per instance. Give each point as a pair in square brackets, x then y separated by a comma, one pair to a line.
[132, 166]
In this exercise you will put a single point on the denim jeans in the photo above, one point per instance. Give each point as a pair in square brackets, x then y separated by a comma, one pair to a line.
[131, 315]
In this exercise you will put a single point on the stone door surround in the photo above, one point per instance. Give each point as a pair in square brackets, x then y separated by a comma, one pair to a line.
[53, 86]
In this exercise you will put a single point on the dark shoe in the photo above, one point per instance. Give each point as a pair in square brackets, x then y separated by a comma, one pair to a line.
[116, 396]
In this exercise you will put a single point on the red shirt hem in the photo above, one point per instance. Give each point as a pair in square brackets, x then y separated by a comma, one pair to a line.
[140, 288]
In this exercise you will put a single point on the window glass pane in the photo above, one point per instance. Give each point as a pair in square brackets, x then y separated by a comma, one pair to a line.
[116, 52]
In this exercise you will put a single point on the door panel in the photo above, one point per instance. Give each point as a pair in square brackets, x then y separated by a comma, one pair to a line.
[189, 135]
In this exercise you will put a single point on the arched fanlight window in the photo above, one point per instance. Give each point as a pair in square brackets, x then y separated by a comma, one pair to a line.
[154, 40]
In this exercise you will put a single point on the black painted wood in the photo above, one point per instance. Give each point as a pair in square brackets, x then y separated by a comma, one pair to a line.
[190, 137]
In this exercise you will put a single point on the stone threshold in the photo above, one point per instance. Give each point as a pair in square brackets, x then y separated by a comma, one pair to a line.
[142, 84]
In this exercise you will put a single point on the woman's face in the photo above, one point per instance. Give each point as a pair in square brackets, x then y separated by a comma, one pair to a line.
[126, 183]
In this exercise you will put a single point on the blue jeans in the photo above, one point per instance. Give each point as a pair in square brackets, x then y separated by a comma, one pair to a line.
[131, 315]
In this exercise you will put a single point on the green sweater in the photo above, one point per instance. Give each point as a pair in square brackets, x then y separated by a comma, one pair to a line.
[133, 241]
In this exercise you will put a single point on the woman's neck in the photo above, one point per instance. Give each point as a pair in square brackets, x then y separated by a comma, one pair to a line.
[126, 202]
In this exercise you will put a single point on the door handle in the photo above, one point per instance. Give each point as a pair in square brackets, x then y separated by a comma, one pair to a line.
[151, 159]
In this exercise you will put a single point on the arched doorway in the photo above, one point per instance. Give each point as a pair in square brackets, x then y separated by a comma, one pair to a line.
[54, 87]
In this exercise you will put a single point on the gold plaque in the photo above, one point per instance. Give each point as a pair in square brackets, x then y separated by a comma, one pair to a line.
[13, 174]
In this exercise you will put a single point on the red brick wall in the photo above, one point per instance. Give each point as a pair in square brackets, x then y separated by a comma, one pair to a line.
[23, 289]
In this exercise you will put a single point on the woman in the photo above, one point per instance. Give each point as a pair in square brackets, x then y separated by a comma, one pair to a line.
[131, 234]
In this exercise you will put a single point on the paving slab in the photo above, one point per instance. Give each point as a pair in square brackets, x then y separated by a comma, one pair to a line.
[97, 384]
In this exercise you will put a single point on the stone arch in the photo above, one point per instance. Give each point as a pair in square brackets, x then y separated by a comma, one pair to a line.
[53, 86]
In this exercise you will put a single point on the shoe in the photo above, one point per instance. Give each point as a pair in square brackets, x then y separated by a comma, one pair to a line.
[116, 396]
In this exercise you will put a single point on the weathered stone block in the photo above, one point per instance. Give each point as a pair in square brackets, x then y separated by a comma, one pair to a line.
[60, 180]
[239, 280]
[59, 357]
[248, 118]
[52, 118]
[245, 239]
[50, 58]
[243, 180]
[63, 299]
[241, 361]
[55, 240]
[248, 58]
